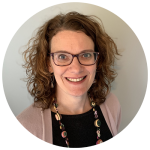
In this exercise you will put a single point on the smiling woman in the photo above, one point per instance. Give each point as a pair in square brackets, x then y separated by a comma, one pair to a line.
[73, 42]
[69, 64]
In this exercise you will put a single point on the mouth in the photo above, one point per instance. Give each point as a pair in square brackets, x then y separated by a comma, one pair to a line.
[76, 79]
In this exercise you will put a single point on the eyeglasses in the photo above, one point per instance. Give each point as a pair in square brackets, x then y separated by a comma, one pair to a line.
[65, 59]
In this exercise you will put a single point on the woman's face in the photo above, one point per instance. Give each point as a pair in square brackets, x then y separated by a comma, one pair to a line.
[73, 43]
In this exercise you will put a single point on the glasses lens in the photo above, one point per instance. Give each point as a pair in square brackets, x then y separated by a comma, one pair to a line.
[88, 58]
[64, 59]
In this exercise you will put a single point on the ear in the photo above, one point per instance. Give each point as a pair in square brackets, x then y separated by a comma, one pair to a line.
[50, 67]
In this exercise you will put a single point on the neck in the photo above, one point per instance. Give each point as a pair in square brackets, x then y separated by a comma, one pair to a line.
[71, 105]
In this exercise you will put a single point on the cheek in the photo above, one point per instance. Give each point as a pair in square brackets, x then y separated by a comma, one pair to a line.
[58, 72]
[93, 77]
[93, 71]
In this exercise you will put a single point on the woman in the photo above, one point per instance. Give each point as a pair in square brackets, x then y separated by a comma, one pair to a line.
[69, 64]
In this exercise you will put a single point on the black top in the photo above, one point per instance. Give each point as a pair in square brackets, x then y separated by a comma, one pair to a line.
[80, 129]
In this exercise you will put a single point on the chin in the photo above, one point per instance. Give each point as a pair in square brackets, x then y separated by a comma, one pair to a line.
[77, 93]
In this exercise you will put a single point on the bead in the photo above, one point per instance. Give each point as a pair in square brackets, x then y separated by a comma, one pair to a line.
[67, 142]
[63, 128]
[96, 116]
[92, 99]
[99, 141]
[54, 101]
[59, 122]
[58, 116]
[55, 108]
[93, 109]
[62, 125]
[95, 113]
[97, 123]
[98, 132]
[55, 105]
[93, 104]
[64, 134]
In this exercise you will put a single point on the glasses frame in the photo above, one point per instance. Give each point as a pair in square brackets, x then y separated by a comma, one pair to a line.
[77, 55]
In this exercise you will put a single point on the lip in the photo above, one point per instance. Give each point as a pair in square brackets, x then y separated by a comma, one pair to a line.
[76, 83]
[75, 77]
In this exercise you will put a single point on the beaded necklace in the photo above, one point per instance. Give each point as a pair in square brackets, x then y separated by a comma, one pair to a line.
[97, 122]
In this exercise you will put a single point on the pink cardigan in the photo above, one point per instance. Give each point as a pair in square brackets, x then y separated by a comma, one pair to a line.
[39, 122]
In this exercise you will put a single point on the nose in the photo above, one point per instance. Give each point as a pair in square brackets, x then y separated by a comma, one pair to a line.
[75, 66]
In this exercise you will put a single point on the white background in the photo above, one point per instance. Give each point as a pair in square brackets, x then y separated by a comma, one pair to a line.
[130, 84]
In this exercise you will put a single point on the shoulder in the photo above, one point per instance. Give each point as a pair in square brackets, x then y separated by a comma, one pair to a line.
[112, 106]
[29, 113]
[113, 110]
[112, 102]
[30, 118]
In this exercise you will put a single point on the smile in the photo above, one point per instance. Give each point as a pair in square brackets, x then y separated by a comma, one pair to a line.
[75, 80]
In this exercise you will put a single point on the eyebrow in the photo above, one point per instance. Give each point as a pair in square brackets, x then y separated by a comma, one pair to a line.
[63, 51]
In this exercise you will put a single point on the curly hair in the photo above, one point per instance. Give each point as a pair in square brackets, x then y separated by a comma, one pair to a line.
[37, 56]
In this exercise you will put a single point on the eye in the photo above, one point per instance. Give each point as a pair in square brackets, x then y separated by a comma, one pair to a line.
[62, 56]
[87, 55]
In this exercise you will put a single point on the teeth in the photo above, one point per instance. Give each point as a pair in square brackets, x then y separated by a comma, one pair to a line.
[75, 80]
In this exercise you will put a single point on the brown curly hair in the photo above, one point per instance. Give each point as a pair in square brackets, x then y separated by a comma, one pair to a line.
[37, 56]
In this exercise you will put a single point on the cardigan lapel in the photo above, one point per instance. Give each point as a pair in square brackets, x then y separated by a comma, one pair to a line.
[109, 119]
[106, 116]
[47, 126]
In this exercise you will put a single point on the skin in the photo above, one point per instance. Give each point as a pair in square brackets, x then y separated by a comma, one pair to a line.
[72, 98]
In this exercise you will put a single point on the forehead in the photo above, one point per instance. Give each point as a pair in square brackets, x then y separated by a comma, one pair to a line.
[71, 41]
